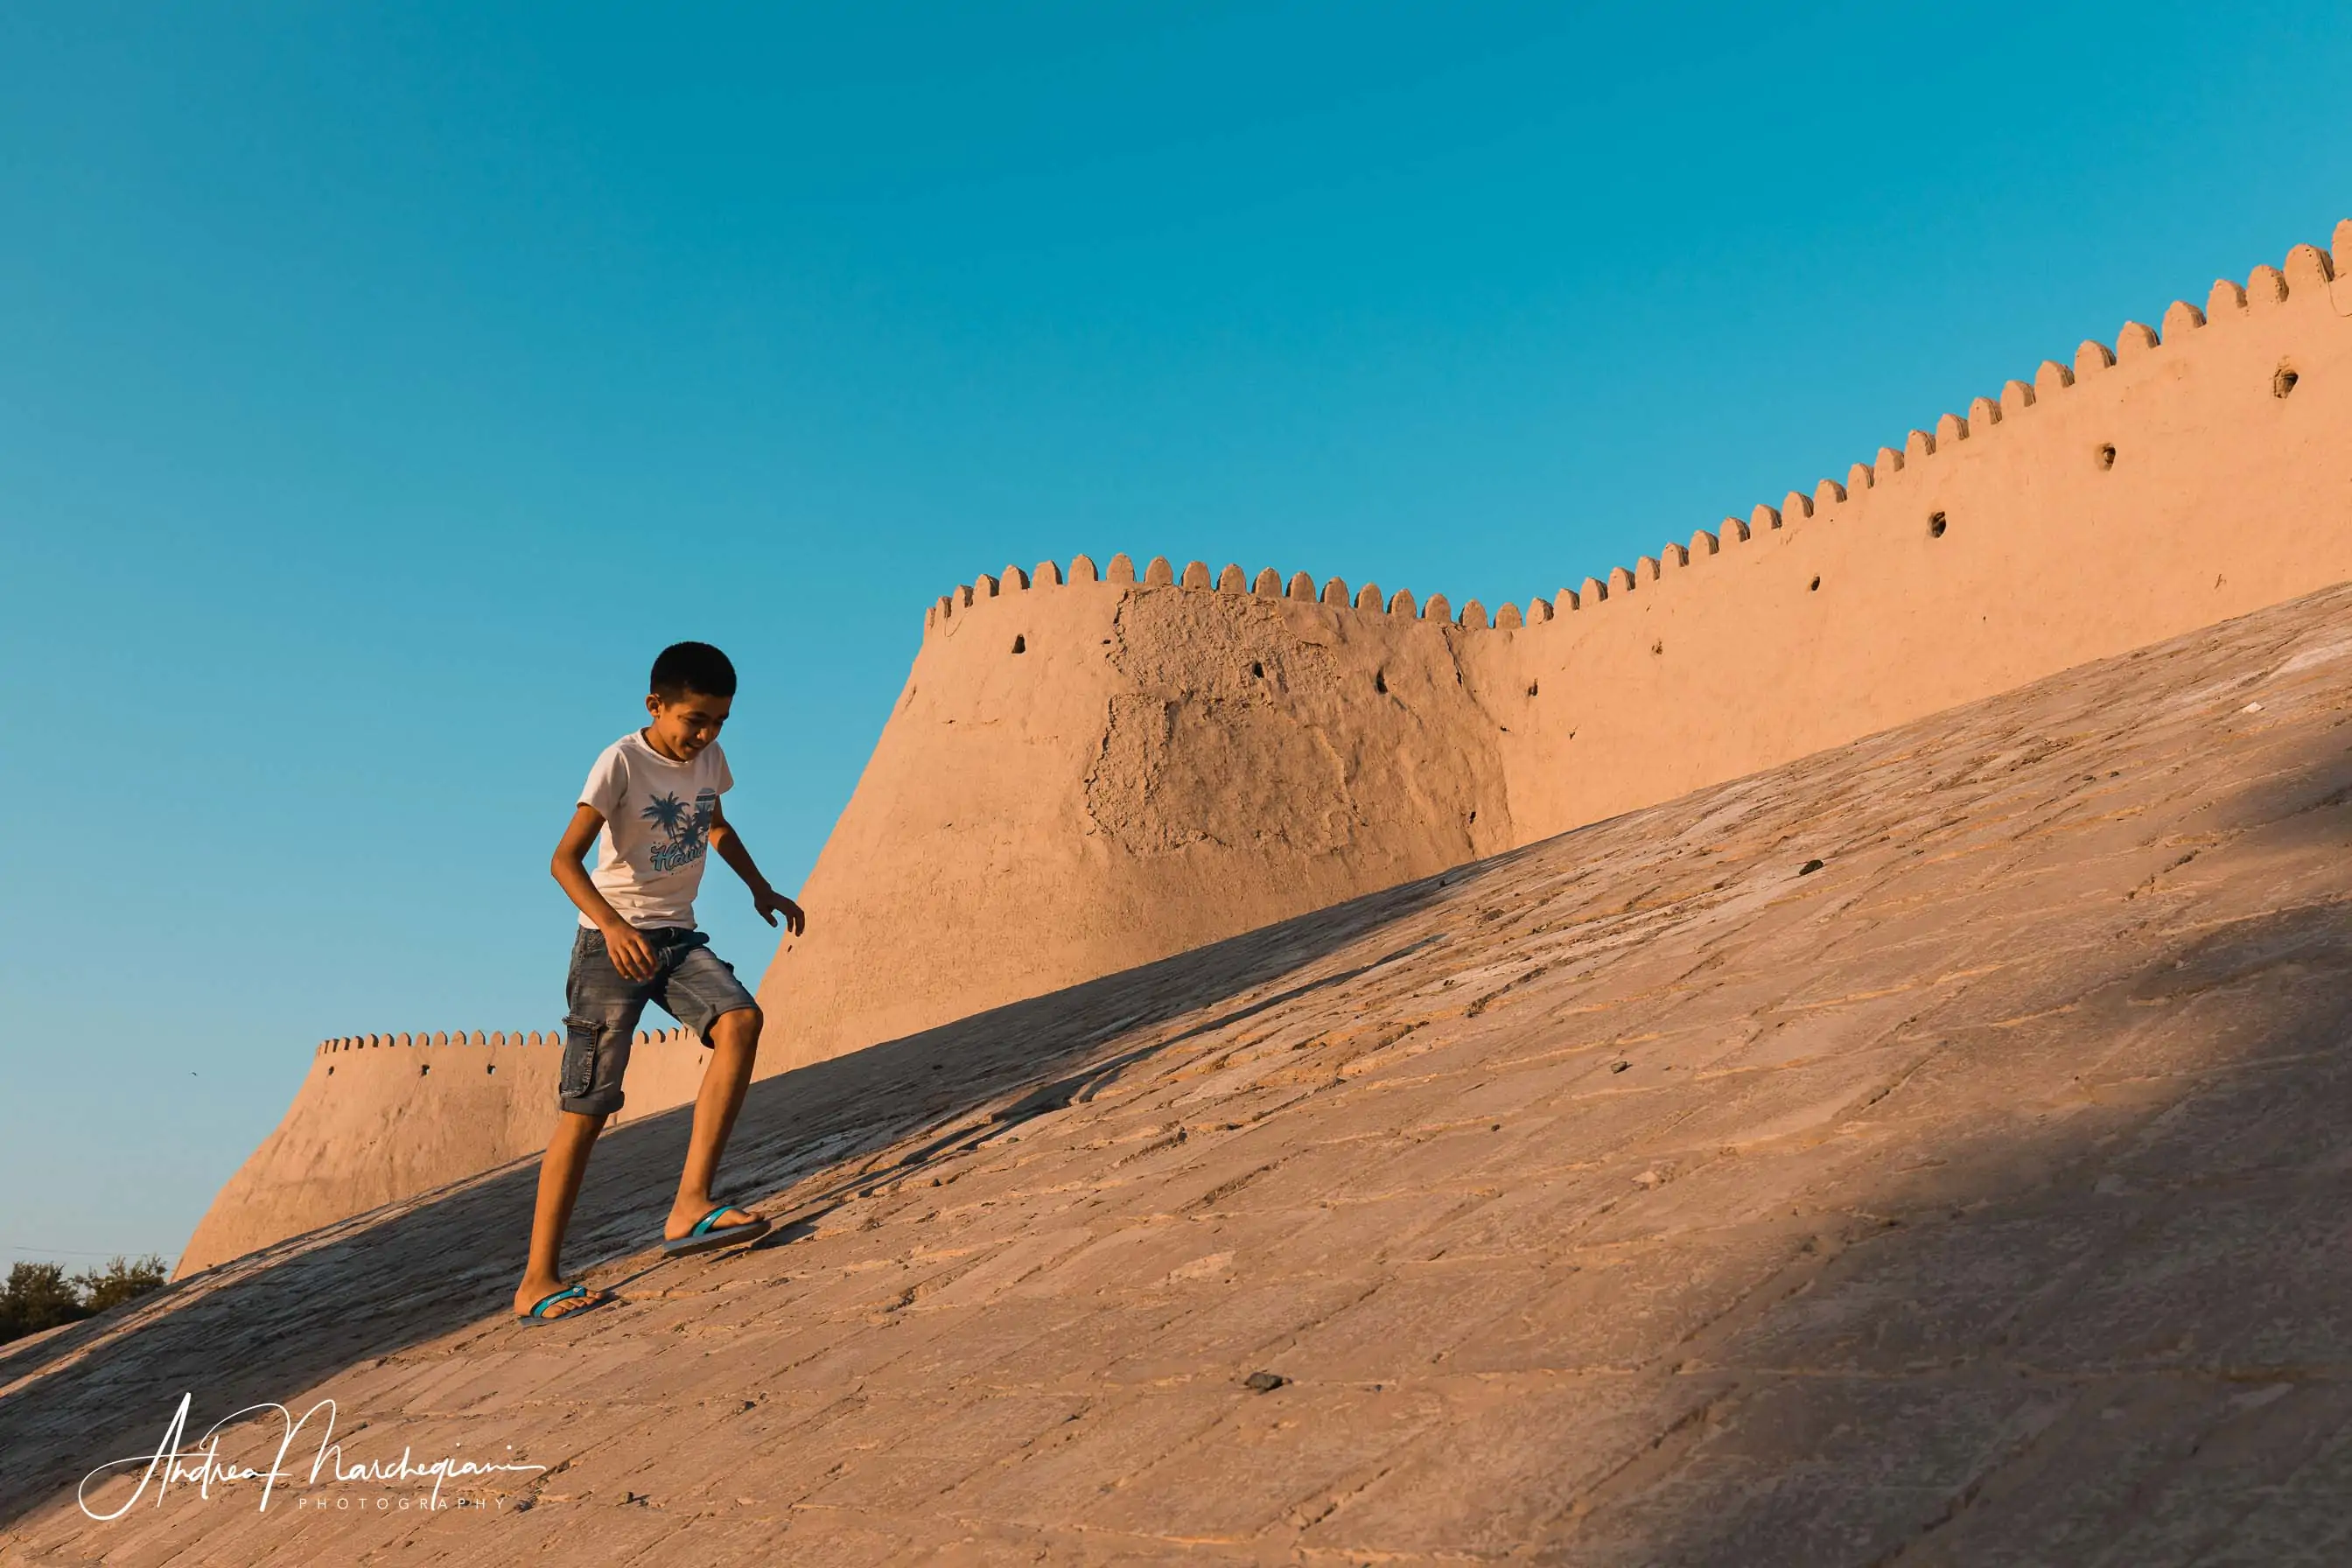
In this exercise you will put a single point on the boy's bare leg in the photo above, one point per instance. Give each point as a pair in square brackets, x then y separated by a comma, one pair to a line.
[734, 1047]
[559, 1171]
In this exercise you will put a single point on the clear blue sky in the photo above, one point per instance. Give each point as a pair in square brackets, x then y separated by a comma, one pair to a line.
[381, 386]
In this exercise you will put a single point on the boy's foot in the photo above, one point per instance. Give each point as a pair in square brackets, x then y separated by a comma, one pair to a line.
[545, 1307]
[720, 1225]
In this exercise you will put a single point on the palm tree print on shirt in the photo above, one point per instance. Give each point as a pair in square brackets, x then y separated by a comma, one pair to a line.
[684, 829]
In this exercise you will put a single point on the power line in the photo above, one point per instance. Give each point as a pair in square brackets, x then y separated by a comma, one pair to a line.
[57, 1251]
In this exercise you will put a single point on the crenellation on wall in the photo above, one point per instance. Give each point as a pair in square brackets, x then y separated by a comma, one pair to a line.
[1270, 582]
[1299, 587]
[2176, 404]
[2307, 265]
[442, 1039]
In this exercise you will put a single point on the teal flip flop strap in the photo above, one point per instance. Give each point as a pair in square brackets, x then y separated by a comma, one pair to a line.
[703, 1225]
[540, 1311]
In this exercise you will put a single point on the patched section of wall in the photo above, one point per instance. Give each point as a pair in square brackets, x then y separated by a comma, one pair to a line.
[1174, 772]
[1290, 728]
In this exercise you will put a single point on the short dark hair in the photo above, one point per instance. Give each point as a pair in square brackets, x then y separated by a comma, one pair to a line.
[684, 666]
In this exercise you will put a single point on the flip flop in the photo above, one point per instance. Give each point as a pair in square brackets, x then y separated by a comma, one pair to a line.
[704, 1235]
[537, 1315]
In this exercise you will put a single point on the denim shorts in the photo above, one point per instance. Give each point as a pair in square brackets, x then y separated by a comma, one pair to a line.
[690, 983]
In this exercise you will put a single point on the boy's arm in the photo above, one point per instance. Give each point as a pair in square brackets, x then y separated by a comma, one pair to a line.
[628, 950]
[764, 899]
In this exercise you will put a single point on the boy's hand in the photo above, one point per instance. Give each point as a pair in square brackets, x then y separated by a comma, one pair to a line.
[771, 904]
[629, 952]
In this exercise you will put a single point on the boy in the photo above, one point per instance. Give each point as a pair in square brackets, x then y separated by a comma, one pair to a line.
[651, 804]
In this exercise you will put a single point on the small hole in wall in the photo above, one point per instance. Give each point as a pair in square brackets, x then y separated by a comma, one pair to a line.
[1934, 525]
[1020, 644]
[1380, 680]
[488, 1070]
[1531, 688]
[2284, 382]
[1658, 647]
[424, 1068]
[2106, 457]
[330, 1072]
[1257, 670]
[1474, 816]
[1814, 587]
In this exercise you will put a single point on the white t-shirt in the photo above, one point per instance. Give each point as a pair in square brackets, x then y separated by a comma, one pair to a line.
[656, 827]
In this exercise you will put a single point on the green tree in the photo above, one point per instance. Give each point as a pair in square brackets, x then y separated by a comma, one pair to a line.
[122, 1280]
[40, 1296]
[37, 1295]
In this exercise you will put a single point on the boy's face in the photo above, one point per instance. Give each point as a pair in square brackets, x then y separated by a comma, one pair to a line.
[681, 729]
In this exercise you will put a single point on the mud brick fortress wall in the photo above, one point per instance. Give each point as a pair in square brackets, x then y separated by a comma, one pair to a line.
[1092, 768]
